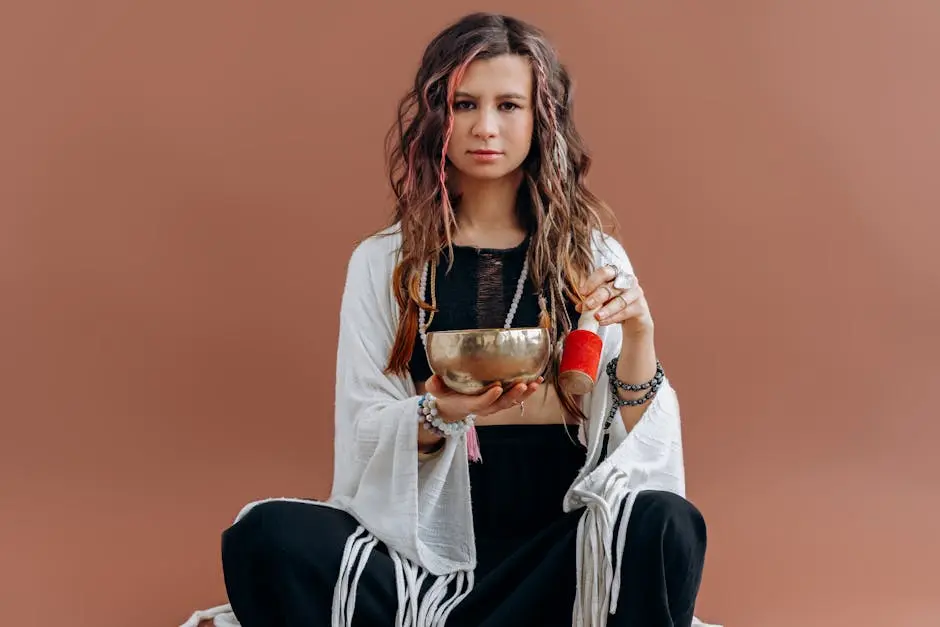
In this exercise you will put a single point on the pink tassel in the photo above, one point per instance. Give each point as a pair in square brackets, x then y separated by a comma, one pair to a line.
[473, 445]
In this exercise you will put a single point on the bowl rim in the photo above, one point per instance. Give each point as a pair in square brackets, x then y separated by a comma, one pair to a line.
[489, 330]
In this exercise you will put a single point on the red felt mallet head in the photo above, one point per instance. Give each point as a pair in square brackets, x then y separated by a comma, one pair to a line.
[581, 356]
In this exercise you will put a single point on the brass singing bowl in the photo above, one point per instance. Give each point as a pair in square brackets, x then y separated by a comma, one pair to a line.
[472, 361]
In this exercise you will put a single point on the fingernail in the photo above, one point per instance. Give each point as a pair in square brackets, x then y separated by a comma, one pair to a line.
[601, 315]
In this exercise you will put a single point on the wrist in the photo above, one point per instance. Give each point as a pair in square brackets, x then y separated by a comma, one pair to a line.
[636, 330]
[446, 411]
[632, 395]
[438, 420]
[637, 360]
[638, 345]
[430, 440]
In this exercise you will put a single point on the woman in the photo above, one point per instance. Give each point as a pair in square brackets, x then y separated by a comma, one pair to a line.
[577, 515]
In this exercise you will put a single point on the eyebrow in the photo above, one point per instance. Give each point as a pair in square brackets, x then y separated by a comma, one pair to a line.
[508, 96]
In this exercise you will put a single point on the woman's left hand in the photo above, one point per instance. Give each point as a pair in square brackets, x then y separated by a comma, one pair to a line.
[620, 299]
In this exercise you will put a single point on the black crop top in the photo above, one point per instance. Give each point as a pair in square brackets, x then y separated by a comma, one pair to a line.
[477, 294]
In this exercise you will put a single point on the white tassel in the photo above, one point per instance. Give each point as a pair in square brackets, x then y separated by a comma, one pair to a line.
[341, 590]
[432, 599]
[399, 587]
[411, 586]
[464, 579]
[413, 611]
[619, 549]
[433, 609]
[594, 554]
[408, 584]
[354, 588]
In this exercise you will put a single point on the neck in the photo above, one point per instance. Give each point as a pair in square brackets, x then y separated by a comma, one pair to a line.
[487, 215]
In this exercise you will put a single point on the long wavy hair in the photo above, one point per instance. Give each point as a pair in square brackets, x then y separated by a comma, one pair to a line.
[562, 215]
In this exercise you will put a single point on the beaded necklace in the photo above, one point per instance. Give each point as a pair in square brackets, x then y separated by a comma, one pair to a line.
[422, 314]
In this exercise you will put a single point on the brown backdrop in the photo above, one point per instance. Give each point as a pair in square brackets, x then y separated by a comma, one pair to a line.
[182, 183]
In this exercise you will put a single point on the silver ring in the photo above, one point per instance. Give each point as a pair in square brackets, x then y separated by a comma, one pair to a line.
[522, 408]
[622, 280]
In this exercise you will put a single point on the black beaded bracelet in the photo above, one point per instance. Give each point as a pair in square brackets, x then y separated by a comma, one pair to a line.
[651, 386]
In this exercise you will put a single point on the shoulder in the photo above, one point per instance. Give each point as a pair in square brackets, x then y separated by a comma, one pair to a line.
[377, 253]
[368, 285]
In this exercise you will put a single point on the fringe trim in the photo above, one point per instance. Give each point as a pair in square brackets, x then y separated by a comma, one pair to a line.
[597, 557]
[414, 609]
[358, 547]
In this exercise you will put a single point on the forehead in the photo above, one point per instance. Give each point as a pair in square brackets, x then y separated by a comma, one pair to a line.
[502, 74]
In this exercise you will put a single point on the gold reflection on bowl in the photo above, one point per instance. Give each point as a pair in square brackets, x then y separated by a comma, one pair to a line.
[473, 360]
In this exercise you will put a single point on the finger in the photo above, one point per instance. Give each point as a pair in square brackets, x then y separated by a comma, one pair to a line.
[618, 303]
[533, 388]
[518, 393]
[604, 274]
[482, 403]
[612, 307]
[527, 391]
[513, 397]
[530, 388]
[601, 295]
[498, 404]
[635, 309]
[488, 398]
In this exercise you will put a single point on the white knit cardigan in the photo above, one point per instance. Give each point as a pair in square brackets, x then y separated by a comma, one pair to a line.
[421, 509]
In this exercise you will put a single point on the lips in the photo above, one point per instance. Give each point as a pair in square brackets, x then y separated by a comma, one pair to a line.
[485, 152]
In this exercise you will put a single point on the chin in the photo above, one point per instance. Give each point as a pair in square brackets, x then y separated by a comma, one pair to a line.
[483, 175]
[486, 172]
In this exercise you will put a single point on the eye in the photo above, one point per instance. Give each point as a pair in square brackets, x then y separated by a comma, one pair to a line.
[508, 106]
[463, 105]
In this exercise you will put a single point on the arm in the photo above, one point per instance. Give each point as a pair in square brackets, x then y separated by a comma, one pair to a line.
[645, 447]
[637, 364]
[377, 475]
[626, 306]
[453, 406]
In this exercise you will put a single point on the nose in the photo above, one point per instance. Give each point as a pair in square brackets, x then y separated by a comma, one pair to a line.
[486, 124]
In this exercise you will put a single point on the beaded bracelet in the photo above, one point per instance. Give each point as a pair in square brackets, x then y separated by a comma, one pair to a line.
[652, 386]
[427, 410]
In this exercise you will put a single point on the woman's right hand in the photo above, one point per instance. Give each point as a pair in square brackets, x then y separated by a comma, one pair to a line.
[453, 406]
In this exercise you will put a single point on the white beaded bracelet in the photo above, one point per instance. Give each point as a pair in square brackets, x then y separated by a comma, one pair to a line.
[427, 408]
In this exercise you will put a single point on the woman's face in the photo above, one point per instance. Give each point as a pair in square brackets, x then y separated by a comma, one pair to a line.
[493, 118]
